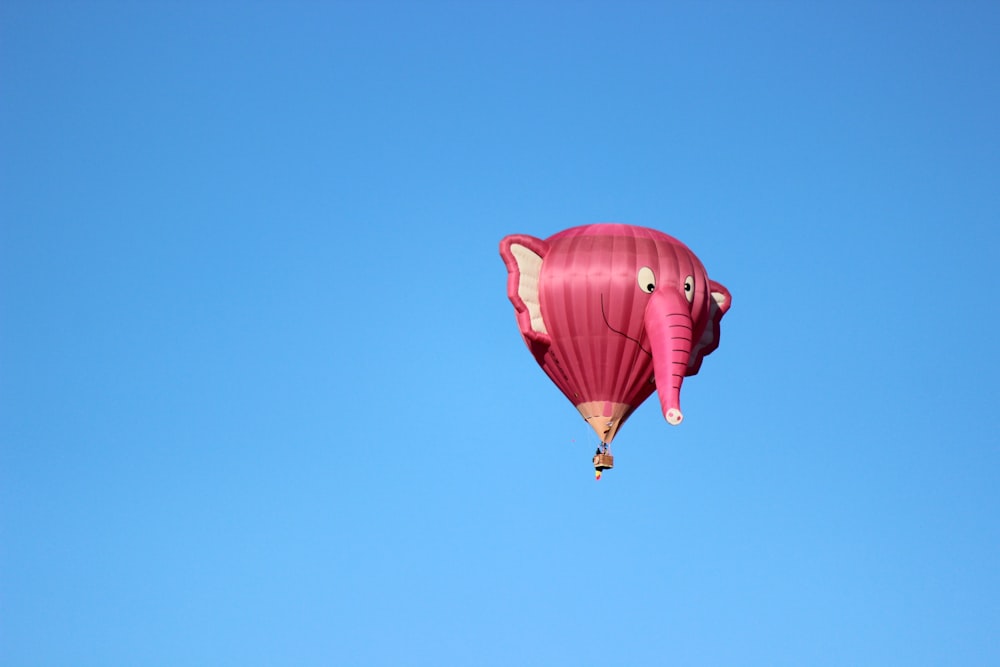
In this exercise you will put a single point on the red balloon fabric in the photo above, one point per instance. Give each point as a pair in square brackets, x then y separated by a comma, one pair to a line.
[612, 312]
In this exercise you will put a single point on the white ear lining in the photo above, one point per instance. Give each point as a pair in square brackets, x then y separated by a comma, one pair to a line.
[529, 268]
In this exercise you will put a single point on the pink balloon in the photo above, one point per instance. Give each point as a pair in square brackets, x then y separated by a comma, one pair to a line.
[611, 313]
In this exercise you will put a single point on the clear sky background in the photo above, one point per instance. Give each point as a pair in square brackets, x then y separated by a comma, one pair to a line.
[263, 400]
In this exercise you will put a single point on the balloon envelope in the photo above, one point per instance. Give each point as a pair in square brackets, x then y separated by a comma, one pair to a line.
[612, 313]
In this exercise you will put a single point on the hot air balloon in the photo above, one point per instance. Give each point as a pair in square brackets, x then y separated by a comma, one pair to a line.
[612, 312]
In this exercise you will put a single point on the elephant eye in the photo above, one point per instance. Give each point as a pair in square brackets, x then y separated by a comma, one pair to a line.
[647, 281]
[689, 289]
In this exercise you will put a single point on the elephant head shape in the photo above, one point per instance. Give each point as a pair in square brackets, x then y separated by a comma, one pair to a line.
[612, 312]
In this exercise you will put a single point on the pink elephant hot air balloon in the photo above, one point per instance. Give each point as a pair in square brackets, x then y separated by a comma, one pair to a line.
[612, 312]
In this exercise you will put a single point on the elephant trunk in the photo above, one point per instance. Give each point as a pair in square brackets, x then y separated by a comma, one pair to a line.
[668, 324]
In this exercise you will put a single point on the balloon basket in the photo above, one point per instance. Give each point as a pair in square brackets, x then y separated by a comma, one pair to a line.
[604, 462]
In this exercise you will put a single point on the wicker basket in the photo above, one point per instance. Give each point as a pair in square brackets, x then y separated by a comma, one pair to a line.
[604, 462]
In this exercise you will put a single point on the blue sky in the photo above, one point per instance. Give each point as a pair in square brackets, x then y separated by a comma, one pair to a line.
[263, 400]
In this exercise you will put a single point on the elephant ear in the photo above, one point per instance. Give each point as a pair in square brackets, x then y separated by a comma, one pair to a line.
[523, 256]
[717, 307]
